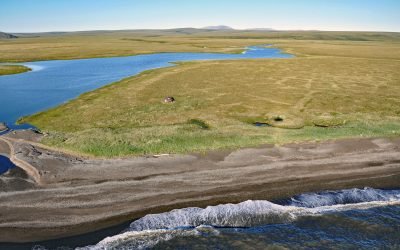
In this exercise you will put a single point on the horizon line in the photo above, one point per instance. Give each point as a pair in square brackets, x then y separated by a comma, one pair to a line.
[197, 28]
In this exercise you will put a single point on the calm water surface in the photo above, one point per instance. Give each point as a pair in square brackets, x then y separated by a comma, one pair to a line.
[54, 82]
[5, 164]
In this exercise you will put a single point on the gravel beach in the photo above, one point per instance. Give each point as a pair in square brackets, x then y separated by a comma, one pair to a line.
[59, 194]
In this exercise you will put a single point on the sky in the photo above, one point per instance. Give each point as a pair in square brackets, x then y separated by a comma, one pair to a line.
[74, 15]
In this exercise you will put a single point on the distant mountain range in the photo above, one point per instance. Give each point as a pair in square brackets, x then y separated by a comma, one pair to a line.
[218, 27]
[262, 29]
[187, 31]
[6, 36]
[224, 27]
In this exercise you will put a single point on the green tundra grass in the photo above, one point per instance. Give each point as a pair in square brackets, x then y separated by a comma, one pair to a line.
[334, 88]
[12, 69]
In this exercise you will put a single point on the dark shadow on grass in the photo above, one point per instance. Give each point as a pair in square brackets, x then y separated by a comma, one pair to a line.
[200, 123]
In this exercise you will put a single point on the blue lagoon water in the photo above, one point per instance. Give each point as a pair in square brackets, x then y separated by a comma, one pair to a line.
[52, 83]
[5, 164]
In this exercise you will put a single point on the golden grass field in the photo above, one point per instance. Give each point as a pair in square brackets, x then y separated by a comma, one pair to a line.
[50, 46]
[339, 85]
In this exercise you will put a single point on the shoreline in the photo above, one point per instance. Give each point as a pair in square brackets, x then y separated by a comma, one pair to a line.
[3, 128]
[76, 194]
[94, 237]
[238, 50]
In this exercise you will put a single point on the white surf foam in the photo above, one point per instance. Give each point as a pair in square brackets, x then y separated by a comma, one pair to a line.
[244, 214]
[346, 196]
[139, 240]
[34, 67]
[151, 229]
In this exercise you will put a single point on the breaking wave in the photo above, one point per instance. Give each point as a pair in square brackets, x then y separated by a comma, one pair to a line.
[347, 196]
[152, 229]
[147, 239]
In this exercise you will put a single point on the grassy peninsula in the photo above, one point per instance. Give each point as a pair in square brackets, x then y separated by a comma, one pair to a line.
[12, 69]
[340, 85]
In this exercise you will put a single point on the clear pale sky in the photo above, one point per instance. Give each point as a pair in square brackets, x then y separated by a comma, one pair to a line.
[72, 15]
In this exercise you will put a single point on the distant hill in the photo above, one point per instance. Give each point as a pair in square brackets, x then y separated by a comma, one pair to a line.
[6, 36]
[262, 29]
[219, 27]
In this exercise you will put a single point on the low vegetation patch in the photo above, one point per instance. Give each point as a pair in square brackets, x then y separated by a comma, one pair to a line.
[12, 69]
[201, 124]
[326, 121]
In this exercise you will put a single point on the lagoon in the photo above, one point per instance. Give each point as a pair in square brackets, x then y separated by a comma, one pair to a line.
[51, 83]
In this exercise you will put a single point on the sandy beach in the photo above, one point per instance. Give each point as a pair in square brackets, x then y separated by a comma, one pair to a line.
[59, 195]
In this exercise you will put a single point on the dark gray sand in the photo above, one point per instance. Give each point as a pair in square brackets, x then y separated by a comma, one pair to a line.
[75, 195]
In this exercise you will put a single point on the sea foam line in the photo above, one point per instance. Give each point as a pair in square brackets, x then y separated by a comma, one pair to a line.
[154, 228]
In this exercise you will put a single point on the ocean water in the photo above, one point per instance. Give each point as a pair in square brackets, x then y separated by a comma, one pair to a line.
[347, 219]
[51, 83]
